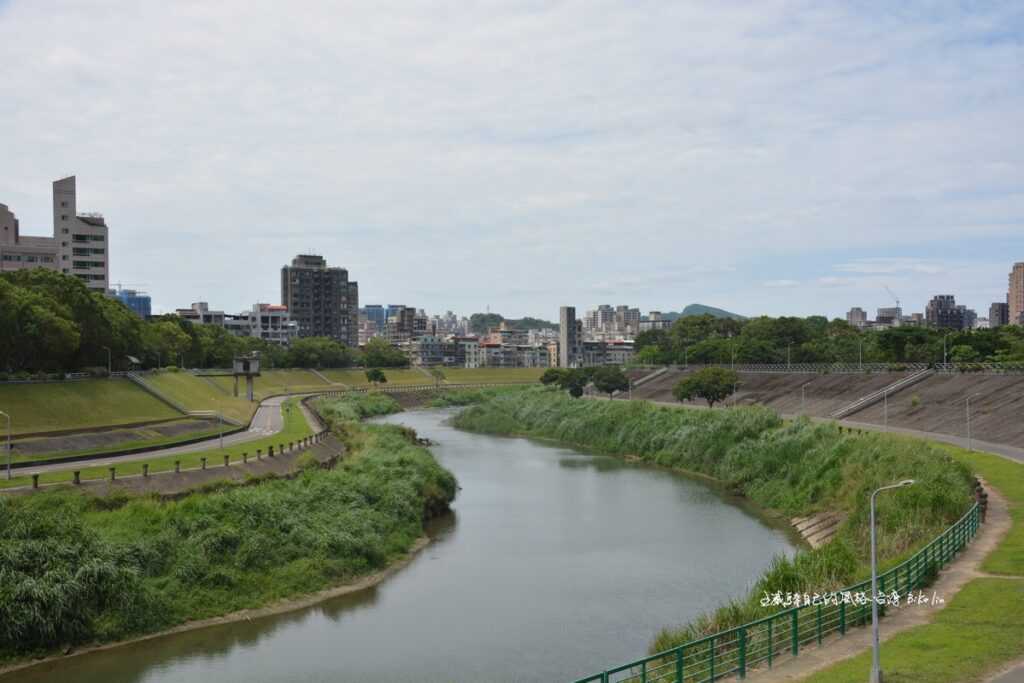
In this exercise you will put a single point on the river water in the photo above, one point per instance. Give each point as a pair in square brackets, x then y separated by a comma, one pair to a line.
[554, 564]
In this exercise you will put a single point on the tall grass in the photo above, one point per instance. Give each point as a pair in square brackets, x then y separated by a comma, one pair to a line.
[791, 468]
[75, 569]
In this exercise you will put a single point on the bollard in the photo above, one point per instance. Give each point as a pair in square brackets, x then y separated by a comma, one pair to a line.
[291, 446]
[113, 474]
[78, 477]
[280, 448]
[204, 462]
[145, 469]
[35, 481]
[270, 451]
[177, 467]
[245, 457]
[259, 454]
[227, 460]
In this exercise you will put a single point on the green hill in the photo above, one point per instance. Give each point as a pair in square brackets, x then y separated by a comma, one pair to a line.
[701, 309]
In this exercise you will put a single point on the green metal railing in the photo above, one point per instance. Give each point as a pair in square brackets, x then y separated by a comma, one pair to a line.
[736, 652]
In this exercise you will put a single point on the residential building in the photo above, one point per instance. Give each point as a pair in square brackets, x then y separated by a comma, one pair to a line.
[200, 313]
[889, 317]
[627, 320]
[79, 246]
[857, 317]
[376, 314]
[1015, 294]
[998, 314]
[270, 322]
[654, 320]
[139, 302]
[968, 317]
[943, 312]
[322, 300]
[569, 334]
[400, 327]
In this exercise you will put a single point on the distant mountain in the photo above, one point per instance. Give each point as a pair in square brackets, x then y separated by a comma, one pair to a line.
[701, 309]
[481, 323]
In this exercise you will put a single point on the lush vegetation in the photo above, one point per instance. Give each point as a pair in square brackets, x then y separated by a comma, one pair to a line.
[75, 569]
[607, 379]
[978, 632]
[714, 385]
[709, 339]
[483, 375]
[793, 468]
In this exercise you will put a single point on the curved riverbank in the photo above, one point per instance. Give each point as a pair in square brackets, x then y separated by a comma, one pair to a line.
[793, 468]
[86, 571]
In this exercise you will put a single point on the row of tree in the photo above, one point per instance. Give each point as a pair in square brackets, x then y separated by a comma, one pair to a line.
[706, 339]
[50, 322]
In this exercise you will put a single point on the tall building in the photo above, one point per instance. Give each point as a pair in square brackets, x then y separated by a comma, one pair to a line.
[942, 312]
[79, 246]
[321, 299]
[1015, 294]
[568, 337]
[857, 317]
[139, 302]
[891, 316]
[998, 314]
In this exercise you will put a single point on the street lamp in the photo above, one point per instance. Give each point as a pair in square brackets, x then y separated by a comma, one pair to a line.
[885, 409]
[8, 443]
[109, 367]
[789, 355]
[944, 354]
[876, 667]
[803, 398]
[860, 354]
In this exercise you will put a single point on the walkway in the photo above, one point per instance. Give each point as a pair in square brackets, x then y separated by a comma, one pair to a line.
[266, 422]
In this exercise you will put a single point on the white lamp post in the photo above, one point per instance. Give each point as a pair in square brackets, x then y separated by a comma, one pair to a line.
[876, 667]
[970, 444]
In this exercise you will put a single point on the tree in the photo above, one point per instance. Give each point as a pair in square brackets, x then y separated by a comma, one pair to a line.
[553, 376]
[609, 378]
[379, 354]
[318, 352]
[711, 384]
[963, 353]
[165, 341]
[376, 376]
[575, 383]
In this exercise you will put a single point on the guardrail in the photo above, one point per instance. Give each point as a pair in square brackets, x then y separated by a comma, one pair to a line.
[405, 388]
[819, 368]
[738, 651]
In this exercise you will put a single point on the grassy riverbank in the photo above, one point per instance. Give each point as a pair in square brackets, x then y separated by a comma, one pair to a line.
[791, 468]
[79, 570]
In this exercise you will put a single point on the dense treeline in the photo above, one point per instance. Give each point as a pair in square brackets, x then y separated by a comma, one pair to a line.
[76, 569]
[706, 339]
[794, 468]
[50, 322]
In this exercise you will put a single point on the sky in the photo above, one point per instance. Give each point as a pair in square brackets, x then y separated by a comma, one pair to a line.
[767, 157]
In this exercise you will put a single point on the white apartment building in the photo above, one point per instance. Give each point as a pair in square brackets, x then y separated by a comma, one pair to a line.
[80, 245]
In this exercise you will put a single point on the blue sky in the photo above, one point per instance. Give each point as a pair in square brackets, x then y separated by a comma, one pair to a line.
[767, 157]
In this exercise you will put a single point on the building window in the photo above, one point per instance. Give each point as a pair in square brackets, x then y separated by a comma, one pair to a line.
[64, 231]
[63, 216]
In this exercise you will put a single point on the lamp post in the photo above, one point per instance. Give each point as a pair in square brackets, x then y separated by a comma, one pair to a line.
[109, 366]
[876, 667]
[803, 398]
[860, 354]
[970, 444]
[944, 354]
[885, 409]
[789, 355]
[8, 443]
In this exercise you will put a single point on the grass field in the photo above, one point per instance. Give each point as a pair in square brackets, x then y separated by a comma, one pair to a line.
[982, 627]
[78, 405]
[482, 375]
[356, 377]
[196, 394]
[295, 428]
[271, 382]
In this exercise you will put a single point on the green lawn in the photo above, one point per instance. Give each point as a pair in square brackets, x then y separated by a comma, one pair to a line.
[295, 428]
[483, 375]
[196, 394]
[982, 627]
[271, 382]
[76, 405]
[357, 377]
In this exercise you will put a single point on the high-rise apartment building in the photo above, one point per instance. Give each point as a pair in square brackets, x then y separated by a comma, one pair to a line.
[1015, 294]
[568, 337]
[139, 302]
[320, 299]
[942, 312]
[998, 314]
[79, 246]
[857, 317]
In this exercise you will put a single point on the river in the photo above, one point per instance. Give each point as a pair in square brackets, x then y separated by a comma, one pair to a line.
[554, 564]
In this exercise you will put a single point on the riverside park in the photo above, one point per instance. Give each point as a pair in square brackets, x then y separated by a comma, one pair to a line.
[159, 527]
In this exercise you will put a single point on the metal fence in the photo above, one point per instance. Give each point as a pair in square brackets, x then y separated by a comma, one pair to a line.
[765, 642]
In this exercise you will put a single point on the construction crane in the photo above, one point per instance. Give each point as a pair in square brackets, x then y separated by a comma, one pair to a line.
[893, 296]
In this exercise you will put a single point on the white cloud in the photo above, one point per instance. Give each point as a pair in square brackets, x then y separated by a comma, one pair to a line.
[454, 154]
[782, 283]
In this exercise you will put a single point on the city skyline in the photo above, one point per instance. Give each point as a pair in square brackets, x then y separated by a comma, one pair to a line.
[662, 155]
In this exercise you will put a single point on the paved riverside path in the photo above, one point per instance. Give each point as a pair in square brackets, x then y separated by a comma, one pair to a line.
[266, 422]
